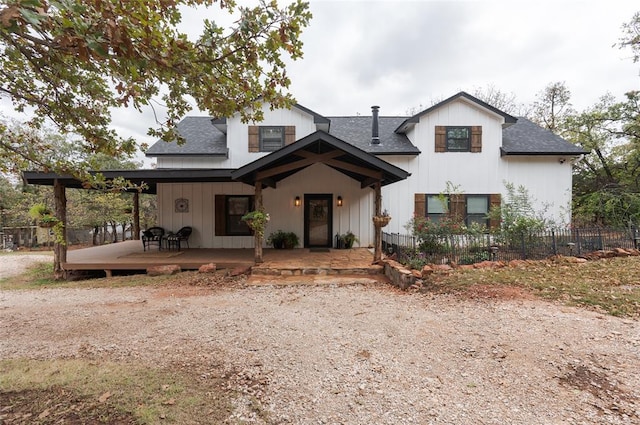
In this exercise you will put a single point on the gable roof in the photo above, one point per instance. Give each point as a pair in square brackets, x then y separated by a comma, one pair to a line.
[357, 131]
[201, 138]
[528, 138]
[410, 122]
[320, 147]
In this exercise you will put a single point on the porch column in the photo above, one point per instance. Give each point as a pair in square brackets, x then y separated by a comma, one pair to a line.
[136, 216]
[257, 236]
[377, 253]
[60, 230]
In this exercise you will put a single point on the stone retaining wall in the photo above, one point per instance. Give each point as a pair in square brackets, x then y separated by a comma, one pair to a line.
[405, 278]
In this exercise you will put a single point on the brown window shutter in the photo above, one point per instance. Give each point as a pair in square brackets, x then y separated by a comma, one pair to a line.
[476, 138]
[289, 134]
[254, 139]
[457, 207]
[441, 138]
[219, 215]
[494, 202]
[420, 205]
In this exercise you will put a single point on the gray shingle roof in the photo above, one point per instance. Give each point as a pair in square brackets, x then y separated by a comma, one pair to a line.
[357, 131]
[201, 138]
[522, 138]
[528, 138]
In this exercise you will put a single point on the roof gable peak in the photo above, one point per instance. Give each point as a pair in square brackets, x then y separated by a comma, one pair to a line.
[412, 121]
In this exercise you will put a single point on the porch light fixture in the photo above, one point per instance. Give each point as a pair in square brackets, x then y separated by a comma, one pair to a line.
[339, 202]
[296, 202]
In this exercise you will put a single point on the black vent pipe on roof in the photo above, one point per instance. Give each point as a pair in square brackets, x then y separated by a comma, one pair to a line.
[375, 136]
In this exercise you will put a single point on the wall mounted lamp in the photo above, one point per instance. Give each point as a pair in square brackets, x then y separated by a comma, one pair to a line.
[339, 201]
[296, 201]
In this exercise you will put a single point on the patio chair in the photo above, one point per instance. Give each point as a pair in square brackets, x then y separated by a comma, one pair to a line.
[175, 240]
[153, 235]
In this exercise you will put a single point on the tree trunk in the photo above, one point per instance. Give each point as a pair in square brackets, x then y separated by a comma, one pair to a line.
[60, 243]
[257, 236]
[135, 233]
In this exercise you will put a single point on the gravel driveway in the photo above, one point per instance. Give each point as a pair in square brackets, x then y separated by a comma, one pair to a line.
[352, 354]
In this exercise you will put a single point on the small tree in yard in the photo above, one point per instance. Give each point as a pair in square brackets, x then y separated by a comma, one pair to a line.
[517, 216]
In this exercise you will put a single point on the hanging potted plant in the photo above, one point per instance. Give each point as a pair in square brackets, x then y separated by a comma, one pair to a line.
[43, 215]
[257, 221]
[381, 220]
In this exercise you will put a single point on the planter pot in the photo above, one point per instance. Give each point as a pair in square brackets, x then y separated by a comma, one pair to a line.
[381, 220]
[47, 224]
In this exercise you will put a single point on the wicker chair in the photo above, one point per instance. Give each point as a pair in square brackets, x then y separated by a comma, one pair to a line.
[153, 235]
[175, 240]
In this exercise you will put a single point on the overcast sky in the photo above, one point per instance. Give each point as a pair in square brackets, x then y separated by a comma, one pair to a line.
[403, 54]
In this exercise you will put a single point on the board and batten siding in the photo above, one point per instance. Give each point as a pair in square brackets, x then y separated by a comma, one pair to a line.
[354, 215]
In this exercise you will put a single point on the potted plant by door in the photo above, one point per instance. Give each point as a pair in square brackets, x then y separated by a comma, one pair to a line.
[276, 239]
[348, 239]
[290, 240]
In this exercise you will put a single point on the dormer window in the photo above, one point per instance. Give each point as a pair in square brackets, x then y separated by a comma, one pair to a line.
[458, 139]
[271, 138]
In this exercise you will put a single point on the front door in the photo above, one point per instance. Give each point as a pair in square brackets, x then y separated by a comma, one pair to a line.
[318, 213]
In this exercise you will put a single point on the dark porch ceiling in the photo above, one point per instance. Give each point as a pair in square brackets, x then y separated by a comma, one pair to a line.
[149, 178]
[319, 147]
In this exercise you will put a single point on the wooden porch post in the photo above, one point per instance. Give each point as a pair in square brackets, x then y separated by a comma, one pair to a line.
[60, 243]
[377, 254]
[136, 216]
[257, 235]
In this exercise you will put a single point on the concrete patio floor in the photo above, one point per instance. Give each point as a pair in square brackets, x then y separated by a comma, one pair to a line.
[129, 255]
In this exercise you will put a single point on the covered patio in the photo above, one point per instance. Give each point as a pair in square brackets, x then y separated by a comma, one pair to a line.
[130, 256]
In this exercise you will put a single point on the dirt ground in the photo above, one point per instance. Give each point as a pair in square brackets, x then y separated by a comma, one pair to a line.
[340, 353]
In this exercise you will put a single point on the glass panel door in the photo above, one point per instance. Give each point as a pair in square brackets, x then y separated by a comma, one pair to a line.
[317, 220]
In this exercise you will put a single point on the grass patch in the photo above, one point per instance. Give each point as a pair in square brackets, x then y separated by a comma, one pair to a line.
[79, 391]
[40, 275]
[610, 285]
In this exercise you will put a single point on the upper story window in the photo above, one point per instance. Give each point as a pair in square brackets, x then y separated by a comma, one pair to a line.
[271, 138]
[458, 138]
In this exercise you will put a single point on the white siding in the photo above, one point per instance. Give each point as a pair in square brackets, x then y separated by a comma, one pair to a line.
[548, 182]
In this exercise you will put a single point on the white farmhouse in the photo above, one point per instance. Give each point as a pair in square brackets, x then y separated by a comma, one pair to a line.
[318, 175]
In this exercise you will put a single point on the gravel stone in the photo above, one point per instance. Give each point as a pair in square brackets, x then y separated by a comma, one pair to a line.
[350, 354]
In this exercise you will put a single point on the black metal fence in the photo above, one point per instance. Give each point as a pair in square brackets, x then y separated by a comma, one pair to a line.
[473, 248]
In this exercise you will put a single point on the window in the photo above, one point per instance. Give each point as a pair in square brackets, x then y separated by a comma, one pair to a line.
[458, 139]
[271, 138]
[437, 207]
[235, 208]
[477, 210]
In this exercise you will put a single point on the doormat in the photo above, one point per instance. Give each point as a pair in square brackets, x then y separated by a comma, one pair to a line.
[319, 250]
[153, 254]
